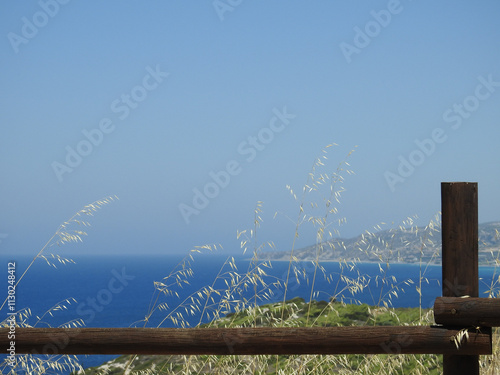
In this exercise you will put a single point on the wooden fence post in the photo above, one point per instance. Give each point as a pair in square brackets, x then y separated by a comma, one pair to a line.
[459, 210]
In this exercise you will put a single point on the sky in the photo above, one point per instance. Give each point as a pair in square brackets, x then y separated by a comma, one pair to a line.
[193, 112]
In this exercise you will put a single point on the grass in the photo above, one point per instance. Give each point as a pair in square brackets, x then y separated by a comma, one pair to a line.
[296, 313]
[241, 298]
[68, 232]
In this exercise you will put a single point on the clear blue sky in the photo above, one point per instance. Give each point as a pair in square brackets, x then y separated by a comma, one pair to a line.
[150, 100]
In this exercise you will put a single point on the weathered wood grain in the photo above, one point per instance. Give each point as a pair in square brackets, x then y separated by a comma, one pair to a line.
[459, 211]
[259, 340]
[467, 312]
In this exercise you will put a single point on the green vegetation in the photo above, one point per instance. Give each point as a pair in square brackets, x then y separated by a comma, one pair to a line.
[297, 313]
[320, 314]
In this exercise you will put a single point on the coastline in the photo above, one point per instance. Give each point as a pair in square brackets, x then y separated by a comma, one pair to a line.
[438, 264]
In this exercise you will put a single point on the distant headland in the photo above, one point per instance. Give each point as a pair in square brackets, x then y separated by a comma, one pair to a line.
[400, 245]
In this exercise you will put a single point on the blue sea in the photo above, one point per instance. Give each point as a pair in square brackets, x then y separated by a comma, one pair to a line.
[117, 291]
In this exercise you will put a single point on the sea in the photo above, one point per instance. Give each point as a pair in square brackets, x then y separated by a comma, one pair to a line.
[119, 291]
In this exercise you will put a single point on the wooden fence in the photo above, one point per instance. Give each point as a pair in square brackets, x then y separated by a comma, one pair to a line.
[458, 309]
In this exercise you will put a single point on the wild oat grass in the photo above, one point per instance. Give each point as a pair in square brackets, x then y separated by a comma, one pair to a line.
[223, 303]
[69, 231]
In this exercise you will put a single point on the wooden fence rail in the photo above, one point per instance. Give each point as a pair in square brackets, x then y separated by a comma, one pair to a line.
[259, 340]
[467, 312]
[458, 309]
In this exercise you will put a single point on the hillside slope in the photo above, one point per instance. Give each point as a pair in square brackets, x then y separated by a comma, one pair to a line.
[295, 314]
[395, 245]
